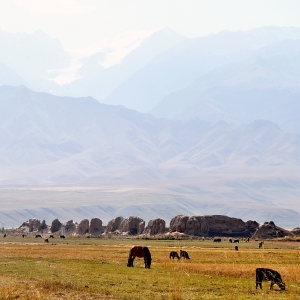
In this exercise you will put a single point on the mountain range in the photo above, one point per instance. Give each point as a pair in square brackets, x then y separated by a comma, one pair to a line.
[198, 126]
[50, 140]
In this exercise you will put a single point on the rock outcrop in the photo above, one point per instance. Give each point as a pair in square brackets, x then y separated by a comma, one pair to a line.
[55, 226]
[131, 225]
[68, 227]
[156, 226]
[269, 230]
[96, 227]
[212, 225]
[83, 227]
[296, 231]
[114, 225]
[33, 225]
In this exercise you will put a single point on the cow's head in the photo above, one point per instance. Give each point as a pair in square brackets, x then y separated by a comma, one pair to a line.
[281, 285]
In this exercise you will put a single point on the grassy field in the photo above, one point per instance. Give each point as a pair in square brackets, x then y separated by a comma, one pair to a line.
[81, 268]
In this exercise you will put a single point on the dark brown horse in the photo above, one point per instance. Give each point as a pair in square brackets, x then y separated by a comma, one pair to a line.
[139, 251]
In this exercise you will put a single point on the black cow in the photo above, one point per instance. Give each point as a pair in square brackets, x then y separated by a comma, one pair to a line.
[184, 254]
[260, 245]
[37, 236]
[230, 240]
[217, 240]
[62, 237]
[174, 254]
[236, 248]
[236, 241]
[4, 235]
[51, 236]
[263, 274]
[23, 235]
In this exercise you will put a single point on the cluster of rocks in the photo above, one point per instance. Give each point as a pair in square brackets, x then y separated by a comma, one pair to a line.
[212, 225]
[208, 226]
[269, 230]
[85, 227]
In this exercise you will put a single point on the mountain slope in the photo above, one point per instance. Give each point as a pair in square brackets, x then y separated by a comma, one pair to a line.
[81, 138]
[186, 61]
[96, 81]
[164, 167]
[263, 87]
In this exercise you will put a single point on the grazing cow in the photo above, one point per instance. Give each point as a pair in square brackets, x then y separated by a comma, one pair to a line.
[217, 240]
[174, 254]
[263, 274]
[184, 254]
[37, 236]
[23, 235]
[260, 245]
[236, 241]
[62, 237]
[4, 235]
[236, 248]
[51, 236]
[46, 240]
[230, 240]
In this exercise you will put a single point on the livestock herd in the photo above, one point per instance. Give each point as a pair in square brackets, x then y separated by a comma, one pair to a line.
[262, 274]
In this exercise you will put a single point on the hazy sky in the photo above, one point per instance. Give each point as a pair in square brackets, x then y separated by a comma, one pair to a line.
[80, 23]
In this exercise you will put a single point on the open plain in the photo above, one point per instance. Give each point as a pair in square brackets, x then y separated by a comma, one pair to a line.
[95, 268]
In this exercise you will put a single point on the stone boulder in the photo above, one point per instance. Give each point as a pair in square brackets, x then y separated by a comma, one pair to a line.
[212, 225]
[24, 227]
[33, 225]
[156, 226]
[269, 230]
[96, 227]
[114, 225]
[68, 227]
[83, 227]
[296, 231]
[43, 226]
[55, 226]
[131, 225]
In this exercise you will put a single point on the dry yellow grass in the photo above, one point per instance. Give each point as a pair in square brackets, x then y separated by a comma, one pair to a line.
[96, 269]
